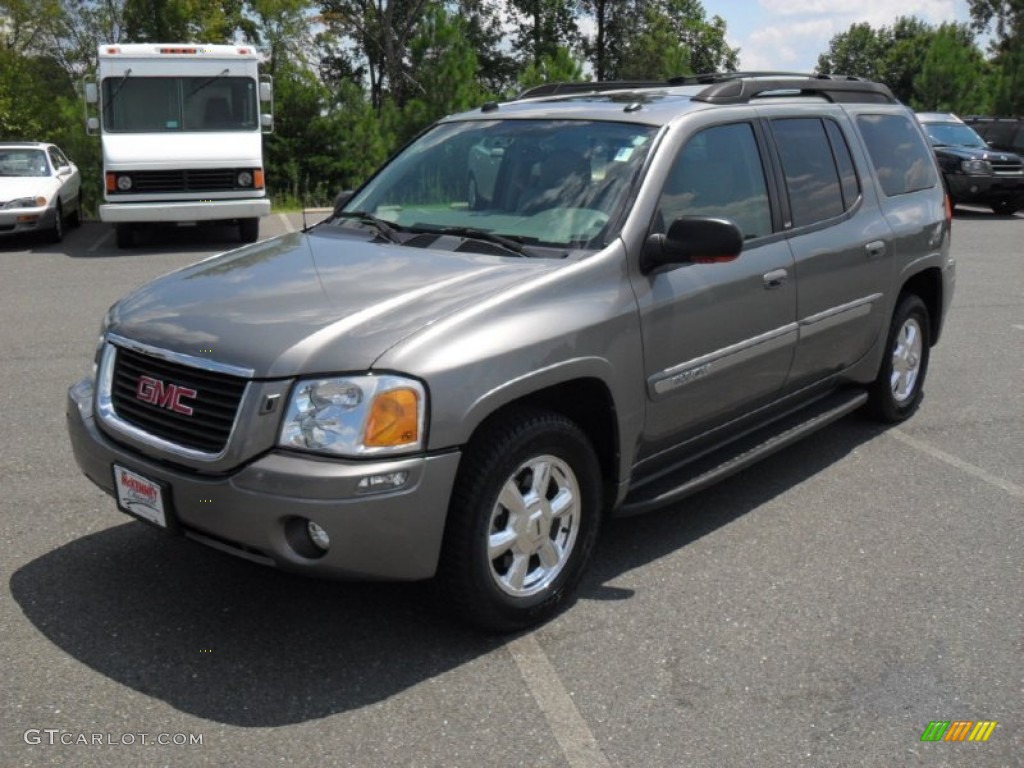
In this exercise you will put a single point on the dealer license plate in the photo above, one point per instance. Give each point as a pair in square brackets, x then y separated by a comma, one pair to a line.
[140, 496]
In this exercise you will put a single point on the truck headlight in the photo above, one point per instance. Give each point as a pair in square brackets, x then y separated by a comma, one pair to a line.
[976, 167]
[355, 416]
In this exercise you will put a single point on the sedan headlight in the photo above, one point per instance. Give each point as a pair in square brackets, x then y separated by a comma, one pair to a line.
[356, 416]
[976, 167]
[27, 202]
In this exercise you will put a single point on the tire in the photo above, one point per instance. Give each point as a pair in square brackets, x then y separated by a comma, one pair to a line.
[249, 230]
[1005, 207]
[503, 566]
[897, 391]
[125, 235]
[76, 218]
[56, 233]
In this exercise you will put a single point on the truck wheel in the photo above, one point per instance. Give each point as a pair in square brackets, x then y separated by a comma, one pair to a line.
[125, 235]
[1005, 207]
[249, 230]
[522, 521]
[56, 234]
[898, 390]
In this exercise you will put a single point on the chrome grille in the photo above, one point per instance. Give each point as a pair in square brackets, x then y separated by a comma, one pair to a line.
[214, 406]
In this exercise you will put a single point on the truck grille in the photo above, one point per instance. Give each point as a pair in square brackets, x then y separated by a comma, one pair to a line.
[1008, 167]
[213, 407]
[188, 180]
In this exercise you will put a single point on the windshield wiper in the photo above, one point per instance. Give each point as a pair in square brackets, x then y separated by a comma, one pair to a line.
[205, 83]
[383, 227]
[508, 243]
[110, 102]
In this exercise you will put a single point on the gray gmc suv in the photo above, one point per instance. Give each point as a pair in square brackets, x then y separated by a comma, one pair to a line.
[596, 299]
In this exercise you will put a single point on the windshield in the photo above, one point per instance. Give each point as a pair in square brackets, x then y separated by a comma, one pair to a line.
[23, 162]
[544, 182]
[160, 104]
[954, 135]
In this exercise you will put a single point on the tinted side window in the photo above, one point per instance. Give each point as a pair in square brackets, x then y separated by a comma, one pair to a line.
[719, 173]
[848, 181]
[812, 179]
[901, 159]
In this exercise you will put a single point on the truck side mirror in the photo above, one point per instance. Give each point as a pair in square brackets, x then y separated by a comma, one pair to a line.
[267, 123]
[91, 93]
[92, 126]
[266, 90]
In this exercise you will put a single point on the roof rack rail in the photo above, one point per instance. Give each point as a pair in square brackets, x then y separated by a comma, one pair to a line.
[707, 78]
[835, 88]
[550, 89]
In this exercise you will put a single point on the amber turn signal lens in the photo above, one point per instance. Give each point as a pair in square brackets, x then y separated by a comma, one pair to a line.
[394, 419]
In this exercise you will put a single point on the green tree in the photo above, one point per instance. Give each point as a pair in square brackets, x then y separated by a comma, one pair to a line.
[443, 68]
[544, 27]
[1005, 18]
[950, 75]
[859, 51]
[560, 67]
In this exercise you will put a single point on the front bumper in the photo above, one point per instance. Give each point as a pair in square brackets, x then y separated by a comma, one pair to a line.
[984, 190]
[184, 211]
[250, 512]
[17, 220]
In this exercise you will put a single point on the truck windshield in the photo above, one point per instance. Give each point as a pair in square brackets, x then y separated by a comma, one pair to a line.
[543, 182]
[170, 104]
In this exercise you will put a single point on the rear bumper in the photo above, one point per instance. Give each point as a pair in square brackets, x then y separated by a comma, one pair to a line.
[183, 211]
[253, 512]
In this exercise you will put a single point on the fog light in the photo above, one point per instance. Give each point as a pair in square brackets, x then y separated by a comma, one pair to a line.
[389, 481]
[318, 535]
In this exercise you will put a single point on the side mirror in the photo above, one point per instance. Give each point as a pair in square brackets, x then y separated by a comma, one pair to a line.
[91, 93]
[92, 125]
[693, 240]
[267, 123]
[341, 198]
[266, 90]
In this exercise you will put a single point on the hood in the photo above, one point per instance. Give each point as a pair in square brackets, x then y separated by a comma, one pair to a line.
[13, 187]
[975, 153]
[154, 151]
[319, 302]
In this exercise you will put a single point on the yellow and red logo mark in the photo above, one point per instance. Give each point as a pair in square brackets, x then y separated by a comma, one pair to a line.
[958, 730]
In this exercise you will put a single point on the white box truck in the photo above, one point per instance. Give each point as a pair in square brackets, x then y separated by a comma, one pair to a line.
[181, 128]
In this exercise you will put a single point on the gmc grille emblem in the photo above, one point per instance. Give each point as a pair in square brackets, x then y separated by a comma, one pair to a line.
[165, 395]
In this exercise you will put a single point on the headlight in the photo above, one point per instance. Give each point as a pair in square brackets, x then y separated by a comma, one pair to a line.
[124, 183]
[976, 167]
[27, 202]
[356, 416]
[244, 179]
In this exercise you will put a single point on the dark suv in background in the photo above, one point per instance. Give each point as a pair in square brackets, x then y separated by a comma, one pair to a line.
[1002, 133]
[975, 172]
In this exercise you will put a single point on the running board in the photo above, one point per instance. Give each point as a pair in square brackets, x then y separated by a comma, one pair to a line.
[740, 454]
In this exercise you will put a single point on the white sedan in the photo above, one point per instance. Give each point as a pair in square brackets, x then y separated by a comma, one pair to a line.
[40, 190]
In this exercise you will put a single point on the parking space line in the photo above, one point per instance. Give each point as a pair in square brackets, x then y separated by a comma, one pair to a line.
[107, 232]
[1019, 327]
[1011, 488]
[285, 222]
[567, 724]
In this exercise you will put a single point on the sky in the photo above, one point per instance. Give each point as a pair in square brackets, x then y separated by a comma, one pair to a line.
[789, 34]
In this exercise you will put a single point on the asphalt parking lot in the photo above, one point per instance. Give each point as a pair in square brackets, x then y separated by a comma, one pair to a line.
[820, 609]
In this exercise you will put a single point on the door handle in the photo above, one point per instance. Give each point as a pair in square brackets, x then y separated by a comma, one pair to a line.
[775, 278]
[875, 249]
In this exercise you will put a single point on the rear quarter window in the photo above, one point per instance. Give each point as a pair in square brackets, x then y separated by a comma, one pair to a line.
[902, 160]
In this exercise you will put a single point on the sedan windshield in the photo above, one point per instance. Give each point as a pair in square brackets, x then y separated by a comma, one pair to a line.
[954, 135]
[539, 182]
[23, 162]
